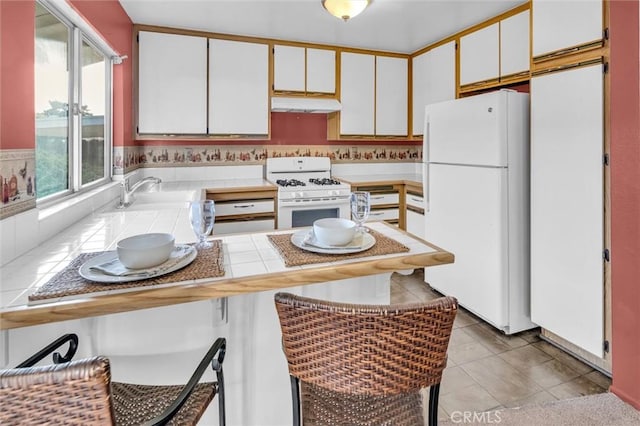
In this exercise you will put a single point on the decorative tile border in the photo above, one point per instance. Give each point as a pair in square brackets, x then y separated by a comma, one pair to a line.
[131, 158]
[17, 181]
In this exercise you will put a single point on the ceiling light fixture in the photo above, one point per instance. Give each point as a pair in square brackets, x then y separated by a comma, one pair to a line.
[345, 9]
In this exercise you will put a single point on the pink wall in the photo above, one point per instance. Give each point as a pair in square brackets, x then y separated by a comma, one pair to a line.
[625, 199]
[17, 112]
[111, 21]
[17, 119]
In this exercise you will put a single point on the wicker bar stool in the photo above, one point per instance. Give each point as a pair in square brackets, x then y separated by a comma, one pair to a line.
[81, 392]
[364, 364]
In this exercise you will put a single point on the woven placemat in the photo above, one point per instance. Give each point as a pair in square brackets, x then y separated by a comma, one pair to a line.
[208, 263]
[295, 256]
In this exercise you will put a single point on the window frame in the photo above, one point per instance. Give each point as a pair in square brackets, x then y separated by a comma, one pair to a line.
[78, 36]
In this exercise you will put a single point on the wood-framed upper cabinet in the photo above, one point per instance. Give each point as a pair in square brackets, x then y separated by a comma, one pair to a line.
[434, 80]
[172, 84]
[514, 45]
[562, 24]
[391, 96]
[357, 93]
[304, 70]
[289, 65]
[238, 87]
[321, 71]
[480, 55]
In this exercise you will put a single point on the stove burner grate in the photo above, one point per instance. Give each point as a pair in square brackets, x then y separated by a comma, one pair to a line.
[324, 181]
[290, 182]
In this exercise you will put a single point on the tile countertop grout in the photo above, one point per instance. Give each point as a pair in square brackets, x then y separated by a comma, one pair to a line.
[251, 264]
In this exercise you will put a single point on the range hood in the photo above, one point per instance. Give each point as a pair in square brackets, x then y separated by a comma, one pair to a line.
[314, 105]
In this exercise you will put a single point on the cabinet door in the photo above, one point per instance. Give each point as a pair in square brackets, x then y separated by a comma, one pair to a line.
[567, 205]
[321, 71]
[238, 87]
[434, 80]
[357, 77]
[415, 223]
[288, 68]
[563, 24]
[172, 84]
[479, 55]
[391, 96]
[514, 44]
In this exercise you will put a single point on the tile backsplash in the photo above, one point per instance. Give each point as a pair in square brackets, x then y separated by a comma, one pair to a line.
[130, 158]
[17, 181]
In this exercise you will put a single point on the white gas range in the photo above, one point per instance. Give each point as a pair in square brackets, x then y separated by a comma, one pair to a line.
[306, 191]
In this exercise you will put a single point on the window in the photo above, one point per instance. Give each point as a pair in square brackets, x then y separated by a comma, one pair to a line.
[72, 104]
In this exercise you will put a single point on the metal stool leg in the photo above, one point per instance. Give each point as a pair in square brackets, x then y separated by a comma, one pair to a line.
[434, 393]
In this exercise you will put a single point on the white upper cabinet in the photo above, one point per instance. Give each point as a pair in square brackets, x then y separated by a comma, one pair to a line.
[514, 44]
[357, 77]
[289, 68]
[434, 80]
[238, 87]
[480, 55]
[321, 71]
[391, 96]
[172, 84]
[561, 24]
[299, 69]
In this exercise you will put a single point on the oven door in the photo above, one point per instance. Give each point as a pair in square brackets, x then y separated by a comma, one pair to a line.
[300, 213]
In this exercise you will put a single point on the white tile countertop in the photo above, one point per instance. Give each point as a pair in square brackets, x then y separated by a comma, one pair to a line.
[378, 178]
[245, 256]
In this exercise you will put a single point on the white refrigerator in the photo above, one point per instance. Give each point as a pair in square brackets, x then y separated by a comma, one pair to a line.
[476, 185]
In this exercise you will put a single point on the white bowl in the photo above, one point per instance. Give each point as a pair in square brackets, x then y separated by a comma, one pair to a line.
[334, 231]
[145, 251]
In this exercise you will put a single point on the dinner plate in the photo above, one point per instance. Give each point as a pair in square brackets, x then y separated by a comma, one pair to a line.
[86, 272]
[298, 239]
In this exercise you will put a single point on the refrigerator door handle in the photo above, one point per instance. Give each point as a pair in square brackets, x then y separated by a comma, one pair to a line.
[425, 172]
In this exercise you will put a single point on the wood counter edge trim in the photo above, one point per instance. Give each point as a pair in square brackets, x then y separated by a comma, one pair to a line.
[153, 297]
[261, 188]
[380, 182]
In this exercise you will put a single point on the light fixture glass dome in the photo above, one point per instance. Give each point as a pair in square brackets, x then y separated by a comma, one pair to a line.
[345, 9]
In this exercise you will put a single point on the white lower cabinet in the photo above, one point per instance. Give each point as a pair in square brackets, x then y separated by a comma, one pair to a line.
[244, 211]
[415, 223]
[384, 214]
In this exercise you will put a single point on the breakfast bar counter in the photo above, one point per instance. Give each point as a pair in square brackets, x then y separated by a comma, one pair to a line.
[251, 264]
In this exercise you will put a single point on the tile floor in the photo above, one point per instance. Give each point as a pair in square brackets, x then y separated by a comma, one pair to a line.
[489, 370]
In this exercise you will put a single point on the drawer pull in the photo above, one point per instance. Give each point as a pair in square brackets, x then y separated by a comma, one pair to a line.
[417, 200]
[243, 206]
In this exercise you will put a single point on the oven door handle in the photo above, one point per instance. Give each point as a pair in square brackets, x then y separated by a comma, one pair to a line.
[341, 199]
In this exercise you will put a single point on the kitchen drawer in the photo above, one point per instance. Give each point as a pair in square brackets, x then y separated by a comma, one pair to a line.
[416, 201]
[384, 214]
[234, 226]
[244, 207]
[380, 199]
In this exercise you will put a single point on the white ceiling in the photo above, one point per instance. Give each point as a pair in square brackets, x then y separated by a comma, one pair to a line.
[391, 25]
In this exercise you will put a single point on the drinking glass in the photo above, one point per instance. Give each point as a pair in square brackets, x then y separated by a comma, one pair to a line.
[360, 207]
[202, 215]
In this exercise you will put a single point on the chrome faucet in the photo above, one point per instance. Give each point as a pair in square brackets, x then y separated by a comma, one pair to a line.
[126, 192]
